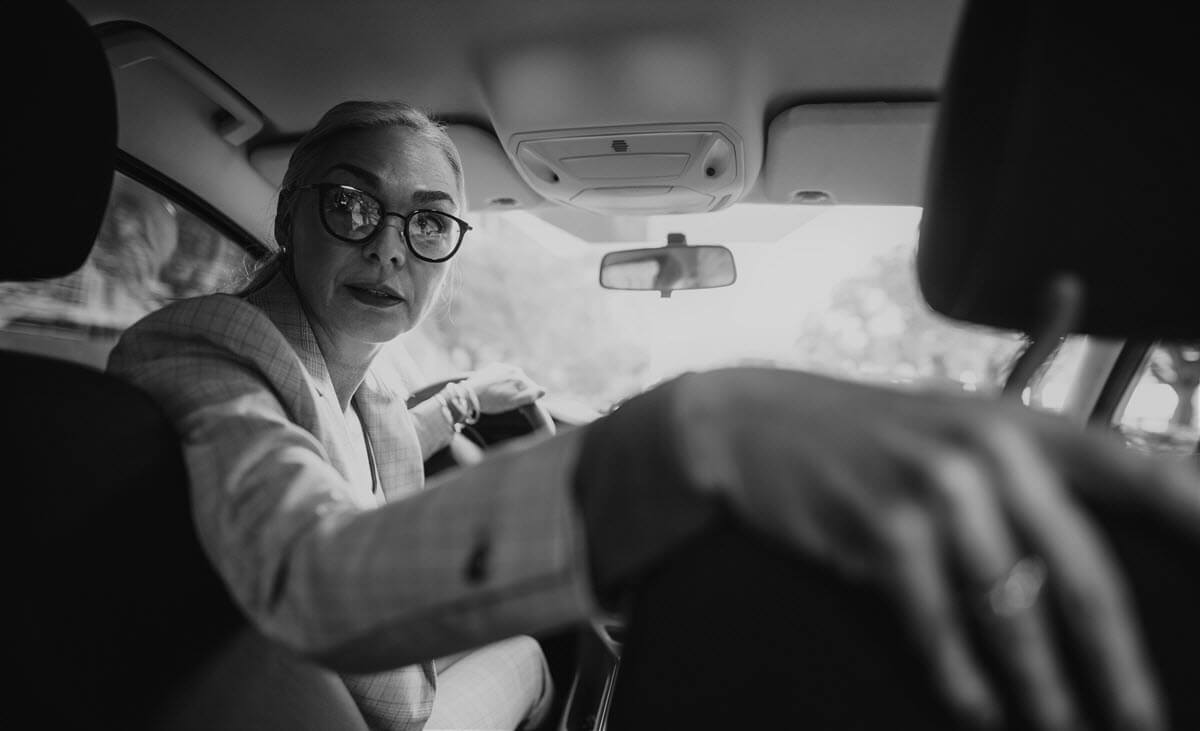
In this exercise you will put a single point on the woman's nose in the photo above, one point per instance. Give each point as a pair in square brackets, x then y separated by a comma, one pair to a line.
[388, 243]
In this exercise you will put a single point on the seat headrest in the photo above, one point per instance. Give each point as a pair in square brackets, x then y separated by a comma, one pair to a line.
[1065, 142]
[64, 147]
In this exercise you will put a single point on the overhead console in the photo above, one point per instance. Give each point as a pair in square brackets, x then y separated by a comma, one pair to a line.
[638, 169]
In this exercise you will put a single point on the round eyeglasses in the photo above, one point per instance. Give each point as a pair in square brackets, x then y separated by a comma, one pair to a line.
[355, 216]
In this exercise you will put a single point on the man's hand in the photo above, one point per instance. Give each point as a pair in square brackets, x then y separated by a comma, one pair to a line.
[964, 509]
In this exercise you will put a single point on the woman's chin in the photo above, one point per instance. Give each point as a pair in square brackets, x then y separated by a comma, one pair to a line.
[379, 328]
[384, 334]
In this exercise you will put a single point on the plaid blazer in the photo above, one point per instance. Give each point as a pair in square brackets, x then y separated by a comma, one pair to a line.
[373, 585]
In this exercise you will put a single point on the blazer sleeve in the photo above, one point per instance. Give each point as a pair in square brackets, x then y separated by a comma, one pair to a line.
[496, 550]
[434, 430]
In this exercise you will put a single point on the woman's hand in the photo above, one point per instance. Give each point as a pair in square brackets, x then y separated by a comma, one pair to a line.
[502, 387]
[960, 507]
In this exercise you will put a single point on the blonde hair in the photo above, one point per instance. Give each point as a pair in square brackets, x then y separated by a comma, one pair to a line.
[345, 117]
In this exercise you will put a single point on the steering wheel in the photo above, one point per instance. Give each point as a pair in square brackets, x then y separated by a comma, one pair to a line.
[468, 446]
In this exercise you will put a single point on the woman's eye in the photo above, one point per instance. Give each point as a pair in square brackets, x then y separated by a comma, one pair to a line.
[431, 224]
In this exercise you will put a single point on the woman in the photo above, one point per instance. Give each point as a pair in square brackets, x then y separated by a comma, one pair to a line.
[330, 310]
[307, 472]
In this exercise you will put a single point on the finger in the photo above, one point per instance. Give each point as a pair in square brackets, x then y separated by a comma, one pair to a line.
[499, 403]
[920, 587]
[529, 395]
[1101, 465]
[524, 386]
[984, 549]
[1085, 581]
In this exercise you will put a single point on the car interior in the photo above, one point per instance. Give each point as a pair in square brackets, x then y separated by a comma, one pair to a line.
[1037, 149]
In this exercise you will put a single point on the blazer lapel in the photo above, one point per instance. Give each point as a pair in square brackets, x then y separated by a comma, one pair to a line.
[380, 404]
[279, 302]
[393, 436]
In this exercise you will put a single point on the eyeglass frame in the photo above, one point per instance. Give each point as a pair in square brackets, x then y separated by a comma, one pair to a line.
[464, 227]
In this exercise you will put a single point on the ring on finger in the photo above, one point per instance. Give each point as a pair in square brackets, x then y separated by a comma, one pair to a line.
[1018, 589]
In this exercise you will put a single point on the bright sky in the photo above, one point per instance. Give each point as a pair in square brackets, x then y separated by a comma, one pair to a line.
[788, 258]
[780, 279]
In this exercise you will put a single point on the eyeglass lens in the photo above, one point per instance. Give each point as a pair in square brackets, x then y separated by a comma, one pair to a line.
[355, 216]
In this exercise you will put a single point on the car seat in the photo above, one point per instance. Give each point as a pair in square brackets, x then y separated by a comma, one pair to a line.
[120, 622]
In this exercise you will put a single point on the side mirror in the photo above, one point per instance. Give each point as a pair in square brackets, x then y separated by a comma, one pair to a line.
[668, 268]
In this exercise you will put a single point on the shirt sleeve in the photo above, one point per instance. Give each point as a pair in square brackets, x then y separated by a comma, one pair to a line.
[434, 430]
[637, 492]
[497, 550]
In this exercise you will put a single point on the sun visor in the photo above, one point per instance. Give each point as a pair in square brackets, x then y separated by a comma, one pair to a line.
[180, 119]
[645, 169]
[1066, 144]
[491, 181]
[858, 154]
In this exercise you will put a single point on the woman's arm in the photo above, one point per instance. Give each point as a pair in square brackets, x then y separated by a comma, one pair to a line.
[493, 553]
[435, 428]
[493, 389]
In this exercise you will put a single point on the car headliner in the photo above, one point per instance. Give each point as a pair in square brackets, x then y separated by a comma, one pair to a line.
[499, 69]
[461, 59]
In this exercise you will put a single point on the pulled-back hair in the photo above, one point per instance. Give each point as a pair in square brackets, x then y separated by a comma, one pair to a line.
[345, 117]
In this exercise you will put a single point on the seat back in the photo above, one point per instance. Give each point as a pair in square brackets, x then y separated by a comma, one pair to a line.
[1065, 144]
[121, 622]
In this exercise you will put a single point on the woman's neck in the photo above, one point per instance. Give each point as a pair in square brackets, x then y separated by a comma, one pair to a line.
[347, 364]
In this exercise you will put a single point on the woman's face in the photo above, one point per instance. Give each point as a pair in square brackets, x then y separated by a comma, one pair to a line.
[341, 283]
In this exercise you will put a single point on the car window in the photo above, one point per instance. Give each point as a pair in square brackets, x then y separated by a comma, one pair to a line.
[148, 252]
[1050, 388]
[830, 289]
[1160, 412]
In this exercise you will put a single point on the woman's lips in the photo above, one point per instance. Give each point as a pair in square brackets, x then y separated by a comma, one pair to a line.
[375, 297]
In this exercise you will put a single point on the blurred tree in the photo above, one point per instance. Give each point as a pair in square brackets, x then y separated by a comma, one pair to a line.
[1178, 366]
[147, 251]
[536, 304]
[203, 261]
[139, 234]
[878, 326]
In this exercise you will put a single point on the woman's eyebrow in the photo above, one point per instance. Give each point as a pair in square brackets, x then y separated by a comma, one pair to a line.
[425, 197]
[356, 171]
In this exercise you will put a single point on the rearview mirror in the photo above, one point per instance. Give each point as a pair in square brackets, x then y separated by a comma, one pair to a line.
[668, 268]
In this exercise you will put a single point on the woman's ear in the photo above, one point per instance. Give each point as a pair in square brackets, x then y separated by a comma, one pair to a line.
[283, 220]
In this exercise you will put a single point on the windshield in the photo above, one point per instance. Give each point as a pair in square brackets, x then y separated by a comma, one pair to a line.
[829, 289]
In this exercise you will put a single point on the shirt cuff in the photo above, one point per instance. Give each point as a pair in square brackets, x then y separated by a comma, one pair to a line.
[634, 491]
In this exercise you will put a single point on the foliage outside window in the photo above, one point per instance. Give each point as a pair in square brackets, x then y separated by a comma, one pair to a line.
[148, 252]
[1160, 414]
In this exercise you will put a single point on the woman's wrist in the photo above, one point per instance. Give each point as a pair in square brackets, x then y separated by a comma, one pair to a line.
[448, 412]
[459, 405]
[474, 399]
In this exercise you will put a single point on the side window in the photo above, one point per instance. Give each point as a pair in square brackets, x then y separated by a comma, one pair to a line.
[1160, 413]
[149, 251]
[1050, 389]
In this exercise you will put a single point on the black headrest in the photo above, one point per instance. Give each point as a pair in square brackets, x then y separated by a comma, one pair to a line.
[1066, 143]
[63, 147]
